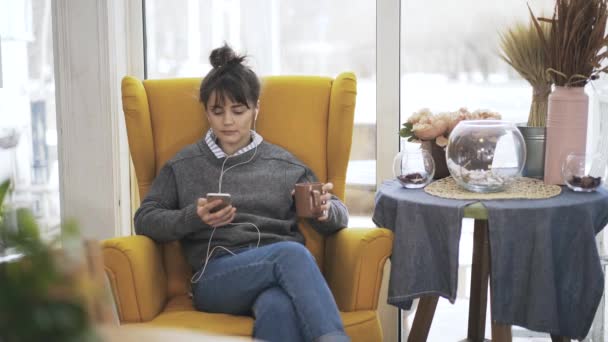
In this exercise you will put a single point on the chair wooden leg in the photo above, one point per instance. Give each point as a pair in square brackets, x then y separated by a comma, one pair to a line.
[555, 338]
[479, 282]
[423, 319]
[501, 333]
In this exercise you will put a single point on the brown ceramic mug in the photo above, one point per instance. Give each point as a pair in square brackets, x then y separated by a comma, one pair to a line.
[308, 199]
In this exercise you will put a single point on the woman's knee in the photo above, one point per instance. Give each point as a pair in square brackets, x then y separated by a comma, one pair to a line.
[289, 250]
[274, 301]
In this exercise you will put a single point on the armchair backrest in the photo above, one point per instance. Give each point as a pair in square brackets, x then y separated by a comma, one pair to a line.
[312, 117]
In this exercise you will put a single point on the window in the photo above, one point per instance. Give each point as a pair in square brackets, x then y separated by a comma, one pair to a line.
[281, 37]
[450, 57]
[28, 134]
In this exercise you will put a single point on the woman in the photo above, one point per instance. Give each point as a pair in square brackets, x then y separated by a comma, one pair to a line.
[249, 257]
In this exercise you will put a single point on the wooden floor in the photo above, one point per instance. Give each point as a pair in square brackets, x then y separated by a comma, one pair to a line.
[451, 322]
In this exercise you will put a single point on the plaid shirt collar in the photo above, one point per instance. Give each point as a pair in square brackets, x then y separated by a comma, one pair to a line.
[211, 138]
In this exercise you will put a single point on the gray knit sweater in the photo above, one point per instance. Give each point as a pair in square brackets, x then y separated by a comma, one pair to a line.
[260, 191]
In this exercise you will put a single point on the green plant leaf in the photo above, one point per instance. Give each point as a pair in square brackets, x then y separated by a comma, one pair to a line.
[70, 229]
[3, 191]
[406, 131]
[28, 309]
[28, 227]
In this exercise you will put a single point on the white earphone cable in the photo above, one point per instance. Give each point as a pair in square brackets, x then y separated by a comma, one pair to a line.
[222, 172]
[198, 275]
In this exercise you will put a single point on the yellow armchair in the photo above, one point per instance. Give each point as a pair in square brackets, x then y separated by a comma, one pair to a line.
[312, 117]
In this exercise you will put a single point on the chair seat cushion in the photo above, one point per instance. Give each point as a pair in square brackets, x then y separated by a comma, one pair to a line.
[180, 313]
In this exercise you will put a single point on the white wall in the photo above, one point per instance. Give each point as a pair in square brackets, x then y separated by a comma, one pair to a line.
[387, 118]
[92, 54]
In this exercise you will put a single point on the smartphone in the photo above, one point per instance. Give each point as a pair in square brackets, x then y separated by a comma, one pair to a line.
[225, 198]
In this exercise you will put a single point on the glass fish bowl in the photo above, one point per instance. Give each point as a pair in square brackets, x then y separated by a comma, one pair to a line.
[485, 155]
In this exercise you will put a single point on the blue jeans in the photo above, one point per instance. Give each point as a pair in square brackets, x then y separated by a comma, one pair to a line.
[281, 285]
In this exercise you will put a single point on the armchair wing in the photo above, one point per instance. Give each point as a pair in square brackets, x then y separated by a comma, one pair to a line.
[354, 262]
[137, 276]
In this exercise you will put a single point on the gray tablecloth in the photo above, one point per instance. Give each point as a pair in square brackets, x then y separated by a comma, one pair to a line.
[546, 273]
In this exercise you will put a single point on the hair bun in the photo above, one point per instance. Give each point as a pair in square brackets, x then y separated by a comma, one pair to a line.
[223, 56]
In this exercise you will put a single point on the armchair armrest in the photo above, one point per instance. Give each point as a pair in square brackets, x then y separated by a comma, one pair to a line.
[354, 262]
[135, 270]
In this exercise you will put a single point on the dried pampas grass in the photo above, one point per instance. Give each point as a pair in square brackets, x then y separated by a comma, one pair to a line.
[575, 46]
[523, 49]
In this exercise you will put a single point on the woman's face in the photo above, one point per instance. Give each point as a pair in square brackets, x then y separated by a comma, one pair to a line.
[231, 122]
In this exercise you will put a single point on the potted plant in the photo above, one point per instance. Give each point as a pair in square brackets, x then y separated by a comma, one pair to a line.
[574, 49]
[521, 47]
[432, 132]
[41, 297]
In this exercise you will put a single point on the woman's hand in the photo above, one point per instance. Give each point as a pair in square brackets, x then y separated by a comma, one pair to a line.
[325, 201]
[217, 219]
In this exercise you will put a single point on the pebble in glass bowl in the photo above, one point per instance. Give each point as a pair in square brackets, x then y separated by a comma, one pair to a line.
[414, 169]
[582, 172]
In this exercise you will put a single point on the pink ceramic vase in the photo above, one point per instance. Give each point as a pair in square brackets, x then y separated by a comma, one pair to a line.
[566, 129]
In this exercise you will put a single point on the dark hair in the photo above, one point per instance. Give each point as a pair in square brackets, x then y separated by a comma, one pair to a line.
[230, 77]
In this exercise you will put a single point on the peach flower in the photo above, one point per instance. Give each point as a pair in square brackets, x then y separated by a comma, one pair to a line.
[441, 141]
[484, 114]
[453, 118]
[420, 115]
[430, 128]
